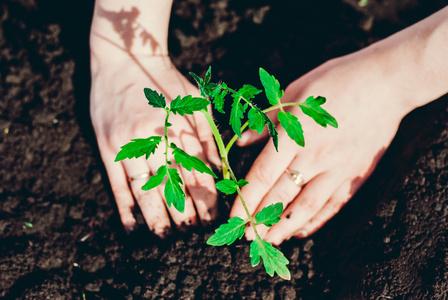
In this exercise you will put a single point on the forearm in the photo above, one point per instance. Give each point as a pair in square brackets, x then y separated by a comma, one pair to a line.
[415, 60]
[138, 28]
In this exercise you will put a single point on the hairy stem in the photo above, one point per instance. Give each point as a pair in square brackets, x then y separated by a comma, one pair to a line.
[221, 148]
[226, 166]
[238, 190]
[166, 136]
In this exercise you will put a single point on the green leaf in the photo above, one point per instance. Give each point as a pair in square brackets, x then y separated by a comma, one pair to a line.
[173, 191]
[139, 147]
[242, 183]
[273, 259]
[198, 79]
[228, 233]
[247, 92]
[273, 133]
[236, 115]
[189, 162]
[292, 126]
[154, 99]
[269, 215]
[203, 87]
[271, 87]
[311, 107]
[30, 225]
[218, 95]
[208, 75]
[155, 180]
[188, 105]
[256, 119]
[226, 186]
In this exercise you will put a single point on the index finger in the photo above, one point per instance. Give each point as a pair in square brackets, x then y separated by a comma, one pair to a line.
[266, 170]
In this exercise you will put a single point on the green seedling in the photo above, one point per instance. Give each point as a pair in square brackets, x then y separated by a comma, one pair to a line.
[243, 107]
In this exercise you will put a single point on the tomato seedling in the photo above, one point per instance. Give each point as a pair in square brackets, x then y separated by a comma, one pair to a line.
[242, 106]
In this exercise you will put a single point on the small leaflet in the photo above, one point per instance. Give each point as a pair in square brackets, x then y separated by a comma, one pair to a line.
[273, 133]
[139, 147]
[292, 126]
[154, 99]
[226, 186]
[155, 180]
[312, 107]
[203, 87]
[188, 105]
[241, 183]
[218, 95]
[208, 75]
[173, 191]
[270, 214]
[188, 162]
[271, 87]
[247, 92]
[228, 233]
[236, 115]
[198, 79]
[256, 119]
[273, 259]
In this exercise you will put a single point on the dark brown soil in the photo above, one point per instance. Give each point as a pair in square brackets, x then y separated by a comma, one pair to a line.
[389, 242]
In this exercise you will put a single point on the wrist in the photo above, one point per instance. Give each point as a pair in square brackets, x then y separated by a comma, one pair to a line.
[413, 61]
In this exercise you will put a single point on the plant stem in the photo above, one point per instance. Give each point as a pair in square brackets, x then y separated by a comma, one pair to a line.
[166, 136]
[238, 190]
[221, 148]
[226, 166]
[274, 107]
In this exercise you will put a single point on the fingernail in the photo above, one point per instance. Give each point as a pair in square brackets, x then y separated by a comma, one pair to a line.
[302, 233]
[250, 235]
[206, 219]
[213, 212]
[130, 229]
[216, 162]
[244, 138]
[164, 233]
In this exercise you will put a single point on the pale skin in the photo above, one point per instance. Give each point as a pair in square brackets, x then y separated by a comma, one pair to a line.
[368, 92]
[128, 53]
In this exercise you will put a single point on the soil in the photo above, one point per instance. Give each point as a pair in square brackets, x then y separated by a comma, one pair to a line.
[60, 233]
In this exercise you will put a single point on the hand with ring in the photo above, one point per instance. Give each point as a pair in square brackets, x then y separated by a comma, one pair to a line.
[368, 92]
[314, 182]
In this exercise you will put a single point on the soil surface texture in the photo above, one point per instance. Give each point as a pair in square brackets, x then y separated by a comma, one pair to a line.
[60, 232]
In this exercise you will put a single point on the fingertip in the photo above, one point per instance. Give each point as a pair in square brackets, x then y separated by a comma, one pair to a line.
[276, 241]
[250, 235]
[245, 137]
[125, 207]
[237, 210]
[274, 237]
[210, 216]
[163, 232]
[215, 161]
[302, 234]
[251, 137]
[128, 221]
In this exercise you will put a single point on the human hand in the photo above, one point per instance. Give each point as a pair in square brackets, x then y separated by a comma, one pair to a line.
[120, 113]
[334, 162]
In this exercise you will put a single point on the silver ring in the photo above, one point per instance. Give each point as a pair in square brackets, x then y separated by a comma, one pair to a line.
[296, 177]
[144, 175]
